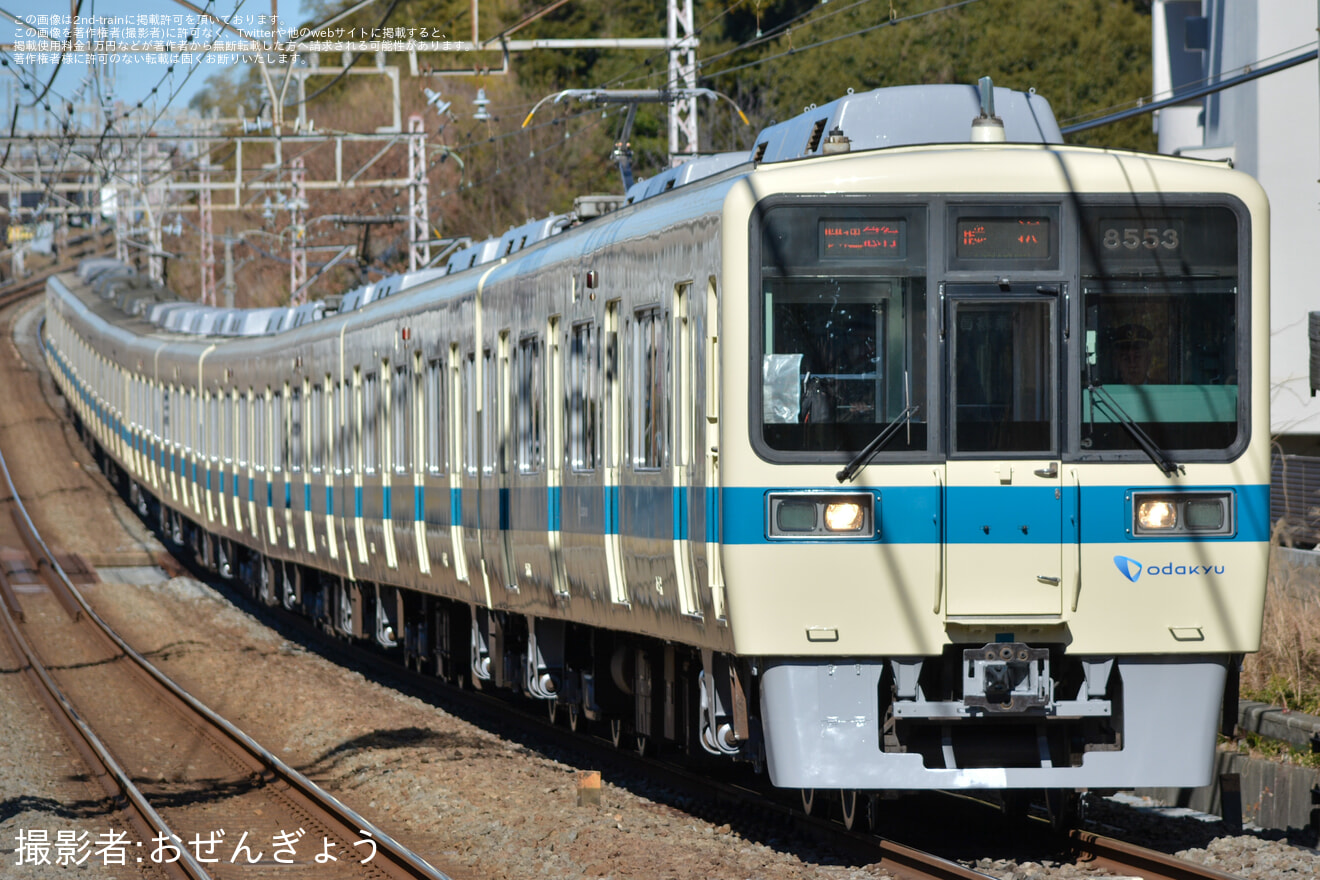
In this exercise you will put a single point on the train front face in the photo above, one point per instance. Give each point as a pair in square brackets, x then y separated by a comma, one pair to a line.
[1043, 377]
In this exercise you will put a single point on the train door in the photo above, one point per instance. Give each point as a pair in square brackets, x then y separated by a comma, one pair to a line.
[613, 420]
[502, 453]
[478, 469]
[682, 376]
[711, 451]
[210, 432]
[555, 412]
[457, 423]
[314, 476]
[420, 419]
[1003, 505]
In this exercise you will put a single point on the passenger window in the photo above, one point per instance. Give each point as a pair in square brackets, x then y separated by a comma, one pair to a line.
[650, 441]
[370, 419]
[434, 411]
[584, 397]
[529, 396]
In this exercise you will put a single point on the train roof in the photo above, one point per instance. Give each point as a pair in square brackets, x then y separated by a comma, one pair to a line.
[905, 116]
[898, 116]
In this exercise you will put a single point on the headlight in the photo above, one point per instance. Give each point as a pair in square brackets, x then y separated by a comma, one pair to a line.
[1157, 514]
[822, 515]
[844, 516]
[1192, 514]
[796, 516]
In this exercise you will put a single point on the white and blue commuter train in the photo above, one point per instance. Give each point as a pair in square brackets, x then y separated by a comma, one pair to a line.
[912, 450]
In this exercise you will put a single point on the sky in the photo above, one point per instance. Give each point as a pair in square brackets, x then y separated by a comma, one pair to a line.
[130, 81]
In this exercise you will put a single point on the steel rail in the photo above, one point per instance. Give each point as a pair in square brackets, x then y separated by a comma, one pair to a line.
[1119, 857]
[399, 861]
[900, 860]
[112, 777]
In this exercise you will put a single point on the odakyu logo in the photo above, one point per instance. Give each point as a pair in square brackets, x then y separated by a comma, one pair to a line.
[1132, 569]
[1128, 567]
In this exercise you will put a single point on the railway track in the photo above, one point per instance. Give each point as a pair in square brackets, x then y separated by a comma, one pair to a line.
[202, 798]
[923, 861]
[899, 859]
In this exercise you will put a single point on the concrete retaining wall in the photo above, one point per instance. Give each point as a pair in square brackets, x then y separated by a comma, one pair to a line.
[1269, 794]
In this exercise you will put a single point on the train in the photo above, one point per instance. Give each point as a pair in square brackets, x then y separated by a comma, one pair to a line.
[911, 449]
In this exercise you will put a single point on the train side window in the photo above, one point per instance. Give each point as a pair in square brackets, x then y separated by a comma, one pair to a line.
[490, 414]
[434, 409]
[227, 406]
[649, 438]
[584, 397]
[401, 423]
[191, 442]
[501, 409]
[469, 404]
[260, 402]
[316, 430]
[345, 456]
[529, 397]
[279, 433]
[417, 411]
[370, 420]
[243, 407]
[295, 444]
[213, 426]
[163, 428]
[332, 440]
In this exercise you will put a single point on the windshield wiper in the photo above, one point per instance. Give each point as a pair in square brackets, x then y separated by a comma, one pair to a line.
[868, 452]
[1104, 401]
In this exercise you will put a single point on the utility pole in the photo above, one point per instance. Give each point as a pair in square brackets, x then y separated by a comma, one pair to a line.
[297, 232]
[682, 76]
[207, 240]
[419, 224]
[229, 285]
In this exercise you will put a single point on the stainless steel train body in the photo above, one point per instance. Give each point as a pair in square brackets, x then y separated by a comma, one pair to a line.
[602, 469]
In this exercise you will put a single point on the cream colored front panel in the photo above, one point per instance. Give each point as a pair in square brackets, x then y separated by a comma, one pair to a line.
[809, 599]
[1002, 538]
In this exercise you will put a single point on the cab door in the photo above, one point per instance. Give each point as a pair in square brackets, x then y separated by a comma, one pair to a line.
[1003, 503]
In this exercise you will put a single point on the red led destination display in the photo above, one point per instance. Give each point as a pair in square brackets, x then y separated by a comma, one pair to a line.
[1003, 238]
[863, 240]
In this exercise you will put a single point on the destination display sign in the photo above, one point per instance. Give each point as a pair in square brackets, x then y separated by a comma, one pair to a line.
[1003, 238]
[863, 240]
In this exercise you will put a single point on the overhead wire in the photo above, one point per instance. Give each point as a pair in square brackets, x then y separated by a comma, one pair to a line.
[891, 22]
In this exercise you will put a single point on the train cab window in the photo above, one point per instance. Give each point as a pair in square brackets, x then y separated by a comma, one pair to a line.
[529, 396]
[841, 327]
[434, 415]
[648, 431]
[584, 397]
[1165, 306]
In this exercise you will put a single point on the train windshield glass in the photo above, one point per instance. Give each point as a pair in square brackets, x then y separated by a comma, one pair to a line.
[1163, 336]
[843, 328]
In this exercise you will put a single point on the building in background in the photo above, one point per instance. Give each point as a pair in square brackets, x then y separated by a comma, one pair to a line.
[1269, 128]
